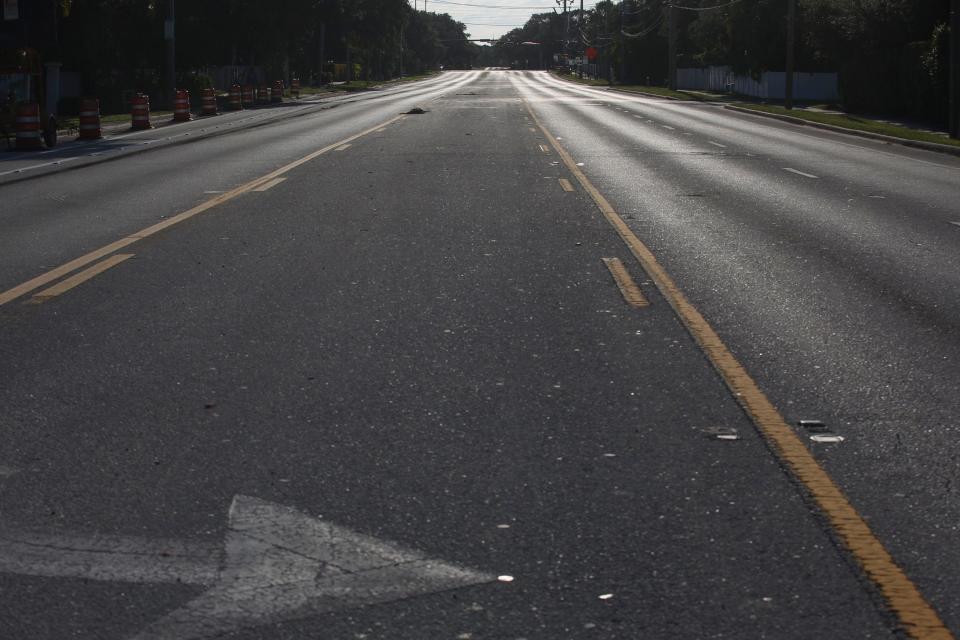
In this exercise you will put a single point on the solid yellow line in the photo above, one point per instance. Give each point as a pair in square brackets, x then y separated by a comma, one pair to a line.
[628, 288]
[59, 272]
[73, 265]
[917, 618]
[565, 185]
[269, 185]
[77, 279]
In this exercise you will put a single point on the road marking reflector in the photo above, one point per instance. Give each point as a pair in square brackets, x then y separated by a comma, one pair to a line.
[77, 279]
[343, 147]
[93, 256]
[565, 185]
[801, 173]
[631, 292]
[917, 617]
[269, 185]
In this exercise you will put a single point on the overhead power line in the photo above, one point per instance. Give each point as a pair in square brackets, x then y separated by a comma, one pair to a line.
[490, 6]
[719, 6]
[639, 34]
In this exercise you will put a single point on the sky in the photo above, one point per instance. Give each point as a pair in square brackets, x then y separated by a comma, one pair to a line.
[492, 18]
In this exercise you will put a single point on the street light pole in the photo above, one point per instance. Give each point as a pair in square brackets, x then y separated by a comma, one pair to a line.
[955, 69]
[583, 46]
[791, 38]
[672, 47]
[169, 34]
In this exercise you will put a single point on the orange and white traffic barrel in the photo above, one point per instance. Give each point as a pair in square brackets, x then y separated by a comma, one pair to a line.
[90, 128]
[277, 95]
[181, 106]
[140, 111]
[295, 88]
[28, 127]
[263, 95]
[209, 105]
[249, 95]
[236, 98]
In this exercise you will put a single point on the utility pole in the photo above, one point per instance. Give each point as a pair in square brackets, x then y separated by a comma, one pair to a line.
[169, 35]
[791, 39]
[955, 69]
[583, 46]
[623, 44]
[672, 48]
[321, 52]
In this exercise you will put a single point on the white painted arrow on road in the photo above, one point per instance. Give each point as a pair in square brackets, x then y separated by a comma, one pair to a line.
[276, 564]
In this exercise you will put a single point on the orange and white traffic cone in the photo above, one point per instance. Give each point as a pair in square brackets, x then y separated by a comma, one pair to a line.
[209, 105]
[236, 98]
[90, 128]
[140, 112]
[28, 127]
[181, 106]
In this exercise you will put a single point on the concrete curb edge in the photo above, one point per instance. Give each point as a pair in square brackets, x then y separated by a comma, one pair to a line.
[917, 144]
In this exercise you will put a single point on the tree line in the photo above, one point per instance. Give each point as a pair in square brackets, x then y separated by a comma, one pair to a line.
[891, 55]
[118, 45]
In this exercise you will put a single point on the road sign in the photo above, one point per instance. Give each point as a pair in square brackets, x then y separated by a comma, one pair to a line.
[592, 53]
[275, 564]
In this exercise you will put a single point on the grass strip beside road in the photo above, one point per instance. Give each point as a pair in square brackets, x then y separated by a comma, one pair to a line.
[857, 123]
[633, 88]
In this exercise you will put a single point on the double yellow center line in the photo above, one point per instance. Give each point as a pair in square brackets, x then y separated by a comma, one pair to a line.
[262, 183]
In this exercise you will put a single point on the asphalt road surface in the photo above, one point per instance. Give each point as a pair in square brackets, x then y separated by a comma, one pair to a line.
[527, 365]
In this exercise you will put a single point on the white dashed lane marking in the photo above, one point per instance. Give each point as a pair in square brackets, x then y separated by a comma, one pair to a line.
[801, 173]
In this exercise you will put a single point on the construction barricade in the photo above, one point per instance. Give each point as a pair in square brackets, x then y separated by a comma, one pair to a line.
[28, 127]
[295, 88]
[90, 127]
[263, 95]
[249, 95]
[181, 106]
[208, 106]
[277, 94]
[236, 98]
[140, 111]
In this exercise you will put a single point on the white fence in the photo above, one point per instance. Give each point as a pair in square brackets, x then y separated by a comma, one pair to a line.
[772, 84]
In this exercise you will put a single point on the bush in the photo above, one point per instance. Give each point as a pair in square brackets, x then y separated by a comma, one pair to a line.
[195, 83]
[68, 106]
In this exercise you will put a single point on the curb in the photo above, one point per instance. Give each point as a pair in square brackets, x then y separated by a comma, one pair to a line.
[609, 88]
[917, 144]
[143, 149]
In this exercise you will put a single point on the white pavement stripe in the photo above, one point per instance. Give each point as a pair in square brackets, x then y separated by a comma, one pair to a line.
[801, 173]
[38, 166]
[717, 144]
[109, 558]
[275, 564]
[955, 223]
